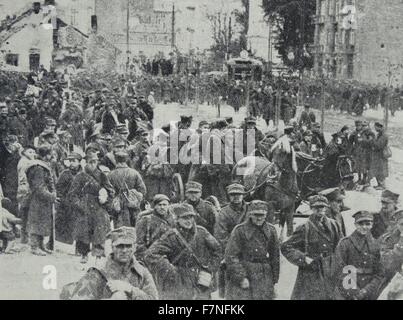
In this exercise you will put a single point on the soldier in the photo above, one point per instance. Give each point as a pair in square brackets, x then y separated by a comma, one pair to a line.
[185, 259]
[65, 216]
[205, 212]
[232, 214]
[122, 277]
[310, 248]
[383, 221]
[306, 144]
[359, 254]
[89, 194]
[153, 224]
[253, 257]
[379, 163]
[42, 199]
[392, 250]
[126, 180]
[336, 206]
[109, 160]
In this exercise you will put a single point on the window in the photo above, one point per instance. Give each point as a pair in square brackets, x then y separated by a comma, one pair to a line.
[12, 59]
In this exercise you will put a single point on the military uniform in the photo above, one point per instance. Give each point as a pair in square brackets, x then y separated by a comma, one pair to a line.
[252, 253]
[316, 239]
[205, 212]
[152, 226]
[363, 253]
[382, 222]
[335, 195]
[180, 258]
[94, 284]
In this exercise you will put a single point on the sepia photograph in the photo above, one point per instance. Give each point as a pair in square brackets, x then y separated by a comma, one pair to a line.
[214, 151]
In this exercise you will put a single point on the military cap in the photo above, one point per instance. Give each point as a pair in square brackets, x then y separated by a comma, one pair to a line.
[51, 122]
[378, 124]
[193, 186]
[336, 135]
[122, 235]
[44, 150]
[398, 215]
[219, 124]
[122, 129]
[332, 194]
[203, 123]
[272, 134]
[92, 146]
[105, 90]
[230, 120]
[307, 106]
[48, 134]
[116, 89]
[363, 216]
[91, 156]
[22, 111]
[358, 122]
[288, 130]
[235, 188]
[258, 207]
[106, 137]
[365, 123]
[307, 133]
[389, 196]
[182, 209]
[250, 120]
[121, 156]
[117, 142]
[318, 201]
[98, 90]
[186, 119]
[159, 198]
[141, 132]
[315, 125]
[74, 156]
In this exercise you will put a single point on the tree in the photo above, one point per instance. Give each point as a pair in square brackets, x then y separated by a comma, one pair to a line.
[242, 18]
[223, 34]
[293, 20]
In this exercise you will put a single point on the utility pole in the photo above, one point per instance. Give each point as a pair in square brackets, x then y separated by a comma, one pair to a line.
[127, 35]
[173, 40]
[323, 102]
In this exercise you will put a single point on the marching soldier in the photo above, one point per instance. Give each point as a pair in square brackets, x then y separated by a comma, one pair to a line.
[89, 194]
[253, 257]
[232, 214]
[122, 277]
[65, 215]
[310, 248]
[360, 253]
[383, 221]
[379, 163]
[185, 259]
[205, 212]
[126, 182]
[153, 224]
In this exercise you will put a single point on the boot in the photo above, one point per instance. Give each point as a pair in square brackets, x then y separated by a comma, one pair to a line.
[38, 252]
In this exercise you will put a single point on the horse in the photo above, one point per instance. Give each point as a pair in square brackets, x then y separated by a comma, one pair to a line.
[274, 182]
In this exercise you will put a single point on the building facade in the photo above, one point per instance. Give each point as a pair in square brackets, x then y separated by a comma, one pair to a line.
[360, 40]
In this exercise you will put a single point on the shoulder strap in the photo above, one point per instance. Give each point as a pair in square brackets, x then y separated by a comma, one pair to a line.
[187, 246]
[306, 236]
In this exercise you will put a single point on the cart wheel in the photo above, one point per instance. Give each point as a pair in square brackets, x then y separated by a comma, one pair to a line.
[179, 190]
[214, 201]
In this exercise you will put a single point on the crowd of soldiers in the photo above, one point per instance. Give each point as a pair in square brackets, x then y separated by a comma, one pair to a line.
[74, 168]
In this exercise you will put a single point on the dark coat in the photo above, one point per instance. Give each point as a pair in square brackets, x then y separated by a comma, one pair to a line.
[92, 286]
[65, 217]
[391, 252]
[92, 219]
[43, 196]
[150, 227]
[206, 214]
[252, 253]
[174, 266]
[123, 178]
[382, 224]
[362, 252]
[227, 219]
[379, 164]
[9, 176]
[314, 241]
